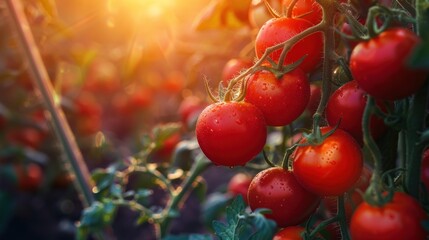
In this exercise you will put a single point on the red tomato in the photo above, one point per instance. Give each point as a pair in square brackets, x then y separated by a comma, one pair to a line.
[239, 185]
[231, 133]
[380, 65]
[277, 189]
[26, 136]
[233, 68]
[88, 114]
[2, 122]
[315, 96]
[278, 30]
[399, 219]
[347, 105]
[309, 10]
[165, 151]
[189, 110]
[331, 167]
[29, 176]
[425, 169]
[290, 233]
[274, 96]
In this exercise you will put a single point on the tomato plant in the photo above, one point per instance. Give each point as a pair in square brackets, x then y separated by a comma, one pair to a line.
[273, 96]
[278, 190]
[331, 167]
[235, 128]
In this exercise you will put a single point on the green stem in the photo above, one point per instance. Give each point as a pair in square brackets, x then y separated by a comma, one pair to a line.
[341, 213]
[200, 165]
[326, 25]
[415, 125]
[57, 118]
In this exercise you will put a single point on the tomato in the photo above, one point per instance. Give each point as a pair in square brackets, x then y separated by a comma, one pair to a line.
[87, 112]
[233, 68]
[290, 233]
[309, 10]
[29, 176]
[380, 65]
[189, 110]
[331, 167]
[278, 30]
[274, 96]
[346, 106]
[399, 219]
[239, 185]
[425, 169]
[315, 96]
[231, 133]
[2, 122]
[26, 136]
[165, 151]
[277, 189]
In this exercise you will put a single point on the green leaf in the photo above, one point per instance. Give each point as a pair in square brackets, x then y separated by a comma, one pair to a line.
[103, 179]
[266, 228]
[142, 196]
[242, 225]
[98, 215]
[116, 190]
[214, 206]
[234, 226]
[188, 237]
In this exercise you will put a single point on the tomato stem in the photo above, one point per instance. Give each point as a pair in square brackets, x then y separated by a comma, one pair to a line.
[200, 165]
[341, 213]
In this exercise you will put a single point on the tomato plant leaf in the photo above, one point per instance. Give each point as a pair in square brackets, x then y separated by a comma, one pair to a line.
[188, 237]
[214, 206]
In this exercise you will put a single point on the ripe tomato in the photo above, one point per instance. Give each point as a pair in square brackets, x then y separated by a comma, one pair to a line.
[331, 167]
[233, 67]
[274, 96]
[277, 189]
[425, 169]
[315, 96]
[278, 30]
[290, 233]
[189, 109]
[347, 105]
[399, 219]
[380, 65]
[231, 133]
[165, 151]
[259, 14]
[29, 176]
[26, 136]
[309, 10]
[239, 185]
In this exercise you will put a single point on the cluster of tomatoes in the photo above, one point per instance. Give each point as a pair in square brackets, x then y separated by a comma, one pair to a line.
[276, 90]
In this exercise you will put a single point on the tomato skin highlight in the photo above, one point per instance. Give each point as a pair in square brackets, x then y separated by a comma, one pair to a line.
[347, 104]
[231, 133]
[399, 219]
[380, 65]
[331, 167]
[274, 97]
[278, 30]
[277, 189]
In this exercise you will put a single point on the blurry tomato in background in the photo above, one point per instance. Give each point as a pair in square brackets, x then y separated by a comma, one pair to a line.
[29, 176]
[233, 68]
[189, 110]
[239, 185]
